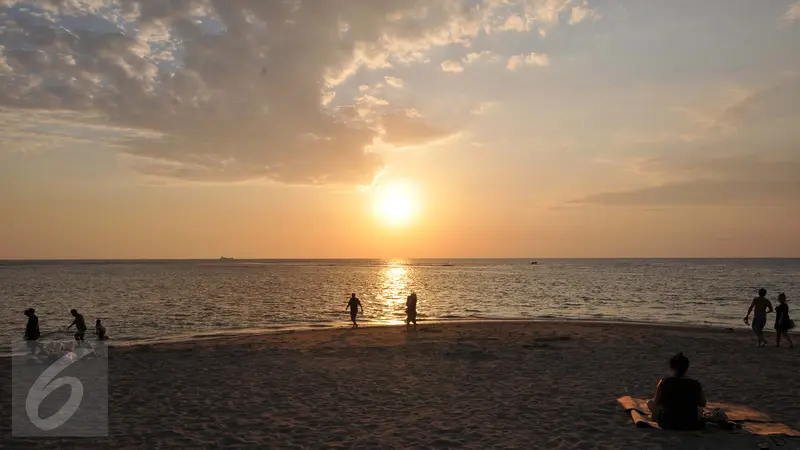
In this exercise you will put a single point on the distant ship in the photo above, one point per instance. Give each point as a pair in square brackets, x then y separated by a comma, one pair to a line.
[534, 262]
[222, 258]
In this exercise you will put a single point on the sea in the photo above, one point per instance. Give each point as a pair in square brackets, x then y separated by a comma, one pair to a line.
[149, 301]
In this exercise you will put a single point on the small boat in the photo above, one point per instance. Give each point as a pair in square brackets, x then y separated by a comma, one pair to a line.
[222, 258]
[534, 262]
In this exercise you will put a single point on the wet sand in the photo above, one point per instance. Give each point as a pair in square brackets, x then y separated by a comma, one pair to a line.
[457, 385]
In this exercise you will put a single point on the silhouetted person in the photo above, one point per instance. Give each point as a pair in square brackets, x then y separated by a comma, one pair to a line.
[354, 304]
[80, 325]
[100, 330]
[782, 321]
[32, 333]
[679, 400]
[411, 310]
[760, 307]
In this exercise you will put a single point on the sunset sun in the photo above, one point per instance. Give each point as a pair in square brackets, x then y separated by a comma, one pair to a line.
[396, 204]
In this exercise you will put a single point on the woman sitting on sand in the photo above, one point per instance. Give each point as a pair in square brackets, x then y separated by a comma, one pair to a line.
[679, 401]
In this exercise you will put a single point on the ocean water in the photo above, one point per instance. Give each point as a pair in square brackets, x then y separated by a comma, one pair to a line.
[153, 300]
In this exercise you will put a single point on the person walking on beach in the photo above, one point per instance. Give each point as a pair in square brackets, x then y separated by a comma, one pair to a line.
[32, 333]
[782, 321]
[354, 304]
[411, 310]
[760, 306]
[80, 325]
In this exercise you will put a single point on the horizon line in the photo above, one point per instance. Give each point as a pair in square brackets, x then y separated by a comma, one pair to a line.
[503, 258]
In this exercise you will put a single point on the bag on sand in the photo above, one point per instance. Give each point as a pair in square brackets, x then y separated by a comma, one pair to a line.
[716, 415]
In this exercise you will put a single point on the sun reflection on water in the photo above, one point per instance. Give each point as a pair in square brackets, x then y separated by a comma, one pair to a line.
[392, 296]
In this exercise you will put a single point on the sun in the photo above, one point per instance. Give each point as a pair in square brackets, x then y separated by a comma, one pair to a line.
[396, 204]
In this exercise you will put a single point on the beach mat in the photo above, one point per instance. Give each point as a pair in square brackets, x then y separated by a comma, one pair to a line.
[751, 420]
[770, 429]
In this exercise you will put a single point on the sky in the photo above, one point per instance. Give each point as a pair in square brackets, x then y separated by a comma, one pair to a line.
[399, 128]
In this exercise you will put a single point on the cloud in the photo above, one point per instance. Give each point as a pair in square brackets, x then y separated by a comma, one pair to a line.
[533, 59]
[542, 15]
[754, 180]
[244, 89]
[458, 66]
[33, 130]
[745, 156]
[408, 129]
[483, 108]
[775, 102]
[582, 12]
[227, 90]
[484, 55]
[514, 23]
[394, 82]
[453, 66]
[792, 13]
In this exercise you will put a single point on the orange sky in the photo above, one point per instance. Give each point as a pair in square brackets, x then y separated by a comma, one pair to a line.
[529, 128]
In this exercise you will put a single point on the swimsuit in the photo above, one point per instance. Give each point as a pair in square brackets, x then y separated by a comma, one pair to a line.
[782, 321]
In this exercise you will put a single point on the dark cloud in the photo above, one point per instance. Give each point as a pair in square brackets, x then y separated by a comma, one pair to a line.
[743, 192]
[773, 103]
[751, 180]
[234, 88]
[754, 164]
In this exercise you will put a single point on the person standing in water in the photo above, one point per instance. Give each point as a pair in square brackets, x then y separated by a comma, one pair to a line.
[32, 333]
[782, 321]
[354, 304]
[80, 325]
[760, 306]
[411, 310]
[100, 330]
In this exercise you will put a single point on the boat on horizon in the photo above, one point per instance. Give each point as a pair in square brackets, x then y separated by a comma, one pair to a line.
[534, 262]
[223, 258]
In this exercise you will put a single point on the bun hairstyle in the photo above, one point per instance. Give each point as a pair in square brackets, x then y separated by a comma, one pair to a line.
[680, 364]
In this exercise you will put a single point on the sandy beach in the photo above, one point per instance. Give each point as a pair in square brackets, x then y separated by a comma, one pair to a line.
[457, 385]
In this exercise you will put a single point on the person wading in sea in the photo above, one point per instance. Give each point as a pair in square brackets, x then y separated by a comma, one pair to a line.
[80, 325]
[32, 333]
[411, 310]
[354, 304]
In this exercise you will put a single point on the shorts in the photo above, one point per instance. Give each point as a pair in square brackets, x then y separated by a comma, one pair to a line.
[353, 314]
[411, 316]
[759, 323]
[79, 335]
